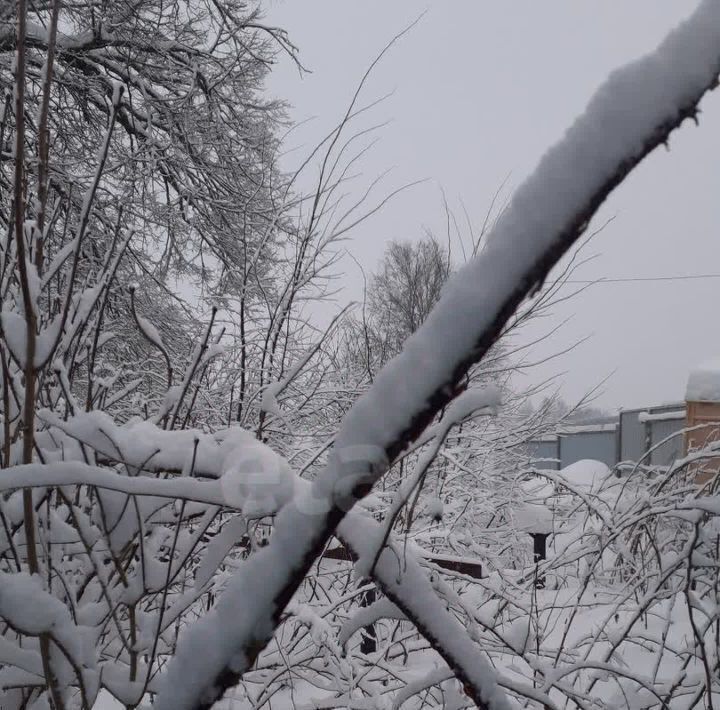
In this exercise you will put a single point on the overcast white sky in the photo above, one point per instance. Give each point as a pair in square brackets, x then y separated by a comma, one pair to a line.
[481, 89]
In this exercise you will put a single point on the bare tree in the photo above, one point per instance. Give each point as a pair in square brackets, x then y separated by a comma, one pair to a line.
[406, 288]
[191, 168]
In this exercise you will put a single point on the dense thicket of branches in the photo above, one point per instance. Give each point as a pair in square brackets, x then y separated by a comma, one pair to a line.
[192, 162]
[188, 169]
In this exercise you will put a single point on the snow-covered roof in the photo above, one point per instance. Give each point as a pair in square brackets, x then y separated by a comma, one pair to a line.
[588, 428]
[655, 408]
[704, 383]
[673, 415]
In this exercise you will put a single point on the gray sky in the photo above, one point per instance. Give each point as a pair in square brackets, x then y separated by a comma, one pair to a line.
[481, 90]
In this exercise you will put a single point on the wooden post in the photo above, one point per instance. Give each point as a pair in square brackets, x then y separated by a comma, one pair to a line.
[539, 554]
[368, 644]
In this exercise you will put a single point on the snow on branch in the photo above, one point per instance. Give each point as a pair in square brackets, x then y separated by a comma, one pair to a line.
[383, 608]
[74, 473]
[632, 113]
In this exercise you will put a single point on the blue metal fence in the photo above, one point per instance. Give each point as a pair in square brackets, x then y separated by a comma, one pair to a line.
[651, 434]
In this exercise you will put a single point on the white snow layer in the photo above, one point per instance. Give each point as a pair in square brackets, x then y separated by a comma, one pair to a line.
[532, 518]
[588, 428]
[434, 508]
[673, 416]
[704, 383]
[587, 474]
[618, 122]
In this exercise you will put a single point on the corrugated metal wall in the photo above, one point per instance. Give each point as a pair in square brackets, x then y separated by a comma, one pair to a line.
[667, 453]
[637, 436]
[637, 431]
[632, 434]
[596, 445]
[544, 454]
